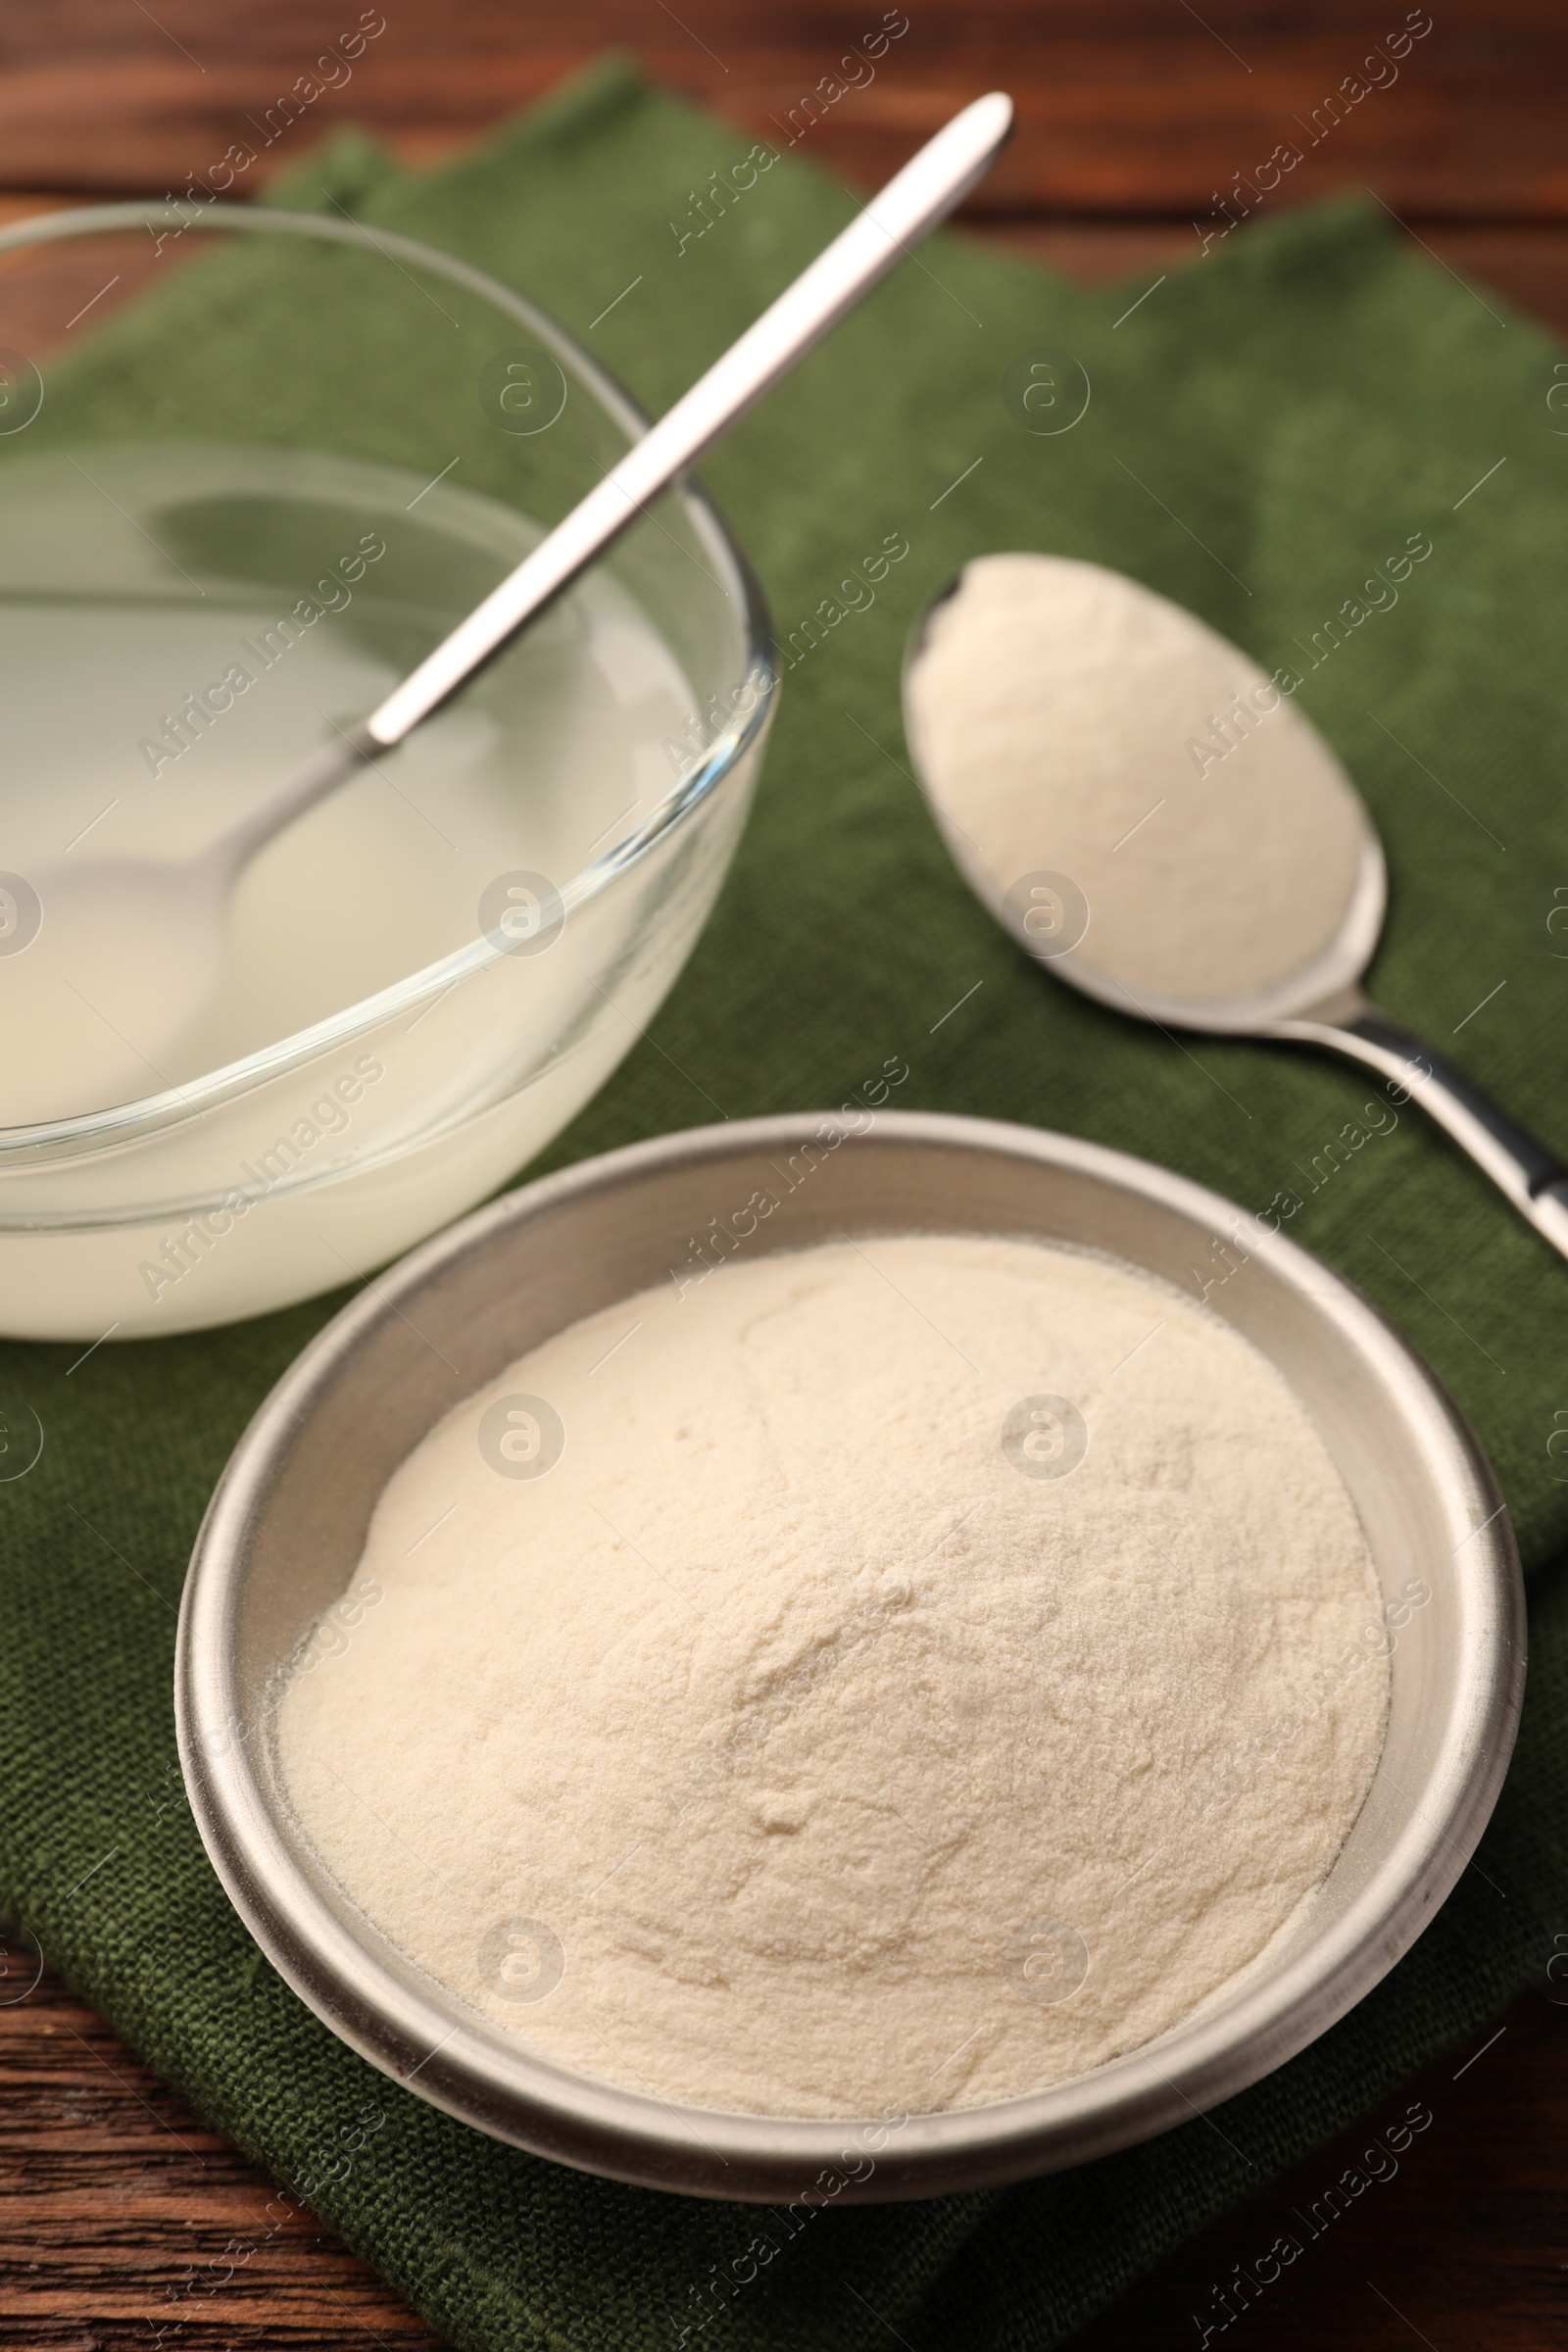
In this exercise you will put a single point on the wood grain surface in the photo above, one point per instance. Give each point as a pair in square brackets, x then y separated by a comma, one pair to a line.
[125, 2222]
[1127, 105]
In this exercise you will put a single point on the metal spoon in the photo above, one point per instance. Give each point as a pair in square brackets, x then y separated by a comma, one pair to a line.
[1322, 1004]
[99, 916]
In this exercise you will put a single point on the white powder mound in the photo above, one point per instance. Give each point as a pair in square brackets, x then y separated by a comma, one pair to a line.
[813, 1734]
[1071, 721]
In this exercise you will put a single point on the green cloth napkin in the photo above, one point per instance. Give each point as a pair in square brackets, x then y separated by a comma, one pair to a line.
[1265, 428]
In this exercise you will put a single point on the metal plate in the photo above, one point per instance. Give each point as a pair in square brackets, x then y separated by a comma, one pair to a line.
[285, 1531]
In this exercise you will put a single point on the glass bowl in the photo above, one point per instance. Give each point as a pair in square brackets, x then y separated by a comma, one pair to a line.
[253, 466]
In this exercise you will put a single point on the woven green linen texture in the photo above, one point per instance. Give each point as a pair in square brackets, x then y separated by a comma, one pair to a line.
[1264, 429]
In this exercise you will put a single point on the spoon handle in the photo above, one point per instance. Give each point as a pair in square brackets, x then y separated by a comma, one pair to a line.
[879, 237]
[1519, 1164]
[876, 240]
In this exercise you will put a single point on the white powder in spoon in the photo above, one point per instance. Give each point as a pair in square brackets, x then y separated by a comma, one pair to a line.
[923, 1674]
[1067, 720]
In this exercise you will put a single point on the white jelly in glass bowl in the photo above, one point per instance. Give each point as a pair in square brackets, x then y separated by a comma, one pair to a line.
[420, 981]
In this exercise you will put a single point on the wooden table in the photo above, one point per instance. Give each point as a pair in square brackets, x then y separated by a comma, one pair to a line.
[1137, 117]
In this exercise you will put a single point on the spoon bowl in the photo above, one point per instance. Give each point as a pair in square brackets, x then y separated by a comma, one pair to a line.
[87, 980]
[1318, 1001]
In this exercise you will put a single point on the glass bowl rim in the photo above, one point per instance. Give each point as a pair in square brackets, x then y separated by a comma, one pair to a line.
[753, 701]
